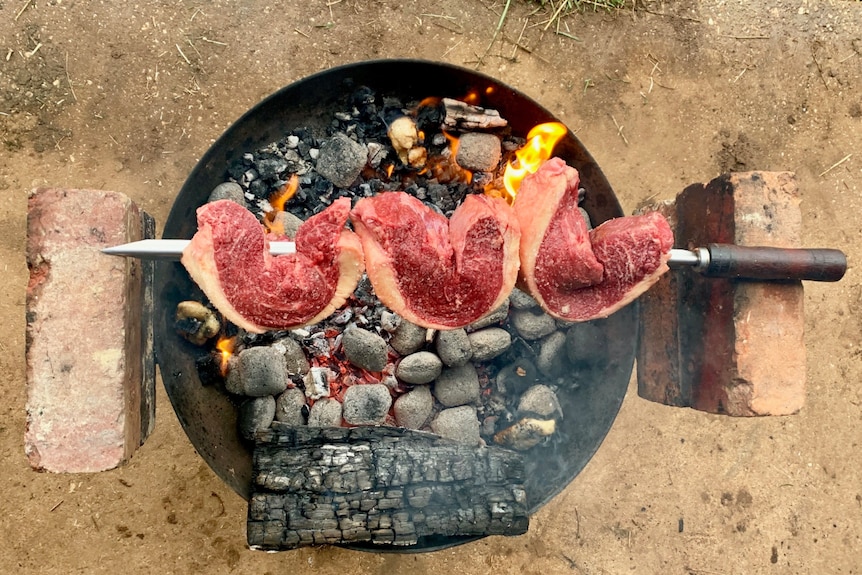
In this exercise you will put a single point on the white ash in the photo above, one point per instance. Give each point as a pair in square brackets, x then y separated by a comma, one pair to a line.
[457, 385]
[317, 382]
[366, 404]
[454, 347]
[414, 408]
[463, 116]
[418, 368]
[489, 343]
[458, 423]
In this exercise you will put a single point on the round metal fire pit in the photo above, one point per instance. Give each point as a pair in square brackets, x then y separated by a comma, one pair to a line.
[209, 417]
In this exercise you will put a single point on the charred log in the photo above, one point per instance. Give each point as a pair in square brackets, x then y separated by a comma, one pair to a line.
[383, 485]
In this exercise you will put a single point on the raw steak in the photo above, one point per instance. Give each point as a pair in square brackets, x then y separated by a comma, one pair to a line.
[555, 246]
[229, 259]
[577, 275]
[436, 273]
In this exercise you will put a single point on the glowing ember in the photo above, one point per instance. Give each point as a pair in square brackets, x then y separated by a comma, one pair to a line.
[225, 345]
[538, 149]
[445, 168]
[278, 201]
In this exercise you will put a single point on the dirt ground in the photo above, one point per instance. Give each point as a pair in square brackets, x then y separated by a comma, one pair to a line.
[126, 96]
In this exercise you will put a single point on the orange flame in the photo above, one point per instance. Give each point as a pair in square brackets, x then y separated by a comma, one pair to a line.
[278, 200]
[282, 196]
[538, 149]
[225, 345]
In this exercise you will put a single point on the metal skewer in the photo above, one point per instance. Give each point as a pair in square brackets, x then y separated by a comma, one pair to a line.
[716, 260]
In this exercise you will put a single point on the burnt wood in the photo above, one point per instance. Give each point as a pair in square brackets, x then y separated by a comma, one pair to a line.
[148, 358]
[380, 485]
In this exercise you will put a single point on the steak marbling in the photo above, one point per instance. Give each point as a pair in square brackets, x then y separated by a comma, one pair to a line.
[577, 275]
[229, 259]
[436, 273]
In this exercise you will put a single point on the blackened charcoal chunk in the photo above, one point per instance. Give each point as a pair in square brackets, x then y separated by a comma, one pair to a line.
[517, 377]
[270, 165]
[209, 369]
[255, 415]
[440, 195]
[260, 189]
[430, 115]
[362, 96]
[237, 169]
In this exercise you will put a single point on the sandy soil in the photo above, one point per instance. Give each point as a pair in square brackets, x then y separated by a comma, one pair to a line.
[126, 96]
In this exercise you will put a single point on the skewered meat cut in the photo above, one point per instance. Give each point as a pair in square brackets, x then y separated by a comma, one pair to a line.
[436, 273]
[229, 259]
[577, 275]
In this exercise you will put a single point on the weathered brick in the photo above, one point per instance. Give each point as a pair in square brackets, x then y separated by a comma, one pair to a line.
[658, 351]
[90, 371]
[738, 347]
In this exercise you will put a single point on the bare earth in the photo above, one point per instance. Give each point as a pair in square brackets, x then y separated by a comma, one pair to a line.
[126, 96]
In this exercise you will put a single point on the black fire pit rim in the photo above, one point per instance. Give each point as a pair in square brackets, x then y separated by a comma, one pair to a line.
[621, 367]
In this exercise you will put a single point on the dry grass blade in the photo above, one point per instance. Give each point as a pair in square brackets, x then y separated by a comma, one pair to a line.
[566, 7]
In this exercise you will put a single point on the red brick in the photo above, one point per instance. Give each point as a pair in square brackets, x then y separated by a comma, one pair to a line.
[658, 351]
[85, 339]
[740, 343]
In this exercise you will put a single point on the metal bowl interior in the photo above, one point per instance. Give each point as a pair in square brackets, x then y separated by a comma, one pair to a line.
[209, 417]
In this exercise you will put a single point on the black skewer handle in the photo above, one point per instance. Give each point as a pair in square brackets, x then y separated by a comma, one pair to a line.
[765, 263]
